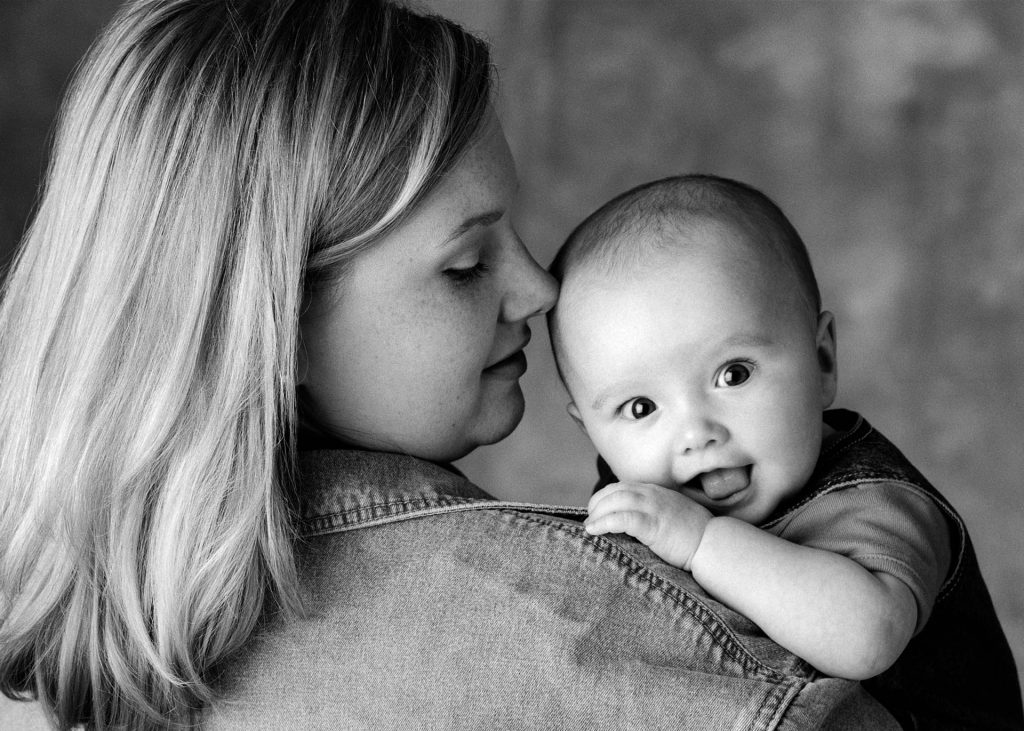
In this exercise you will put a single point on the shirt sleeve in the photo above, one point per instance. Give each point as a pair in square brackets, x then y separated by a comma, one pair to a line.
[884, 526]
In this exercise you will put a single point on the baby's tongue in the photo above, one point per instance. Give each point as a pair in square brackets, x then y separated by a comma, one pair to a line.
[722, 483]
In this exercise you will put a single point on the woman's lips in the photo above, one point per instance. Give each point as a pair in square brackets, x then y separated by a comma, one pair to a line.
[513, 366]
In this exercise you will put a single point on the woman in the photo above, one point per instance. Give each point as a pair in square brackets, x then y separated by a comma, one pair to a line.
[281, 224]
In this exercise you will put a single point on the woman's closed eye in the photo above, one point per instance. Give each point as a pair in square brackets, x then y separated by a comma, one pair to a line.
[637, 408]
[467, 274]
[734, 374]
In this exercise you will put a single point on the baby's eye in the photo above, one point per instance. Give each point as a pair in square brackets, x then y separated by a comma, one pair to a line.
[639, 408]
[734, 374]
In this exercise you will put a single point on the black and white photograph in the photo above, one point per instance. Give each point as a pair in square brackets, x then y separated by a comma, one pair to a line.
[506, 364]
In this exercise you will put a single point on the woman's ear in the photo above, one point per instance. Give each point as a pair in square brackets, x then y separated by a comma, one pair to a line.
[574, 412]
[825, 345]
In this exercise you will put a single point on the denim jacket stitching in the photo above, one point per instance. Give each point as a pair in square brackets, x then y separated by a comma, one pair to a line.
[409, 509]
[707, 617]
[319, 524]
[787, 686]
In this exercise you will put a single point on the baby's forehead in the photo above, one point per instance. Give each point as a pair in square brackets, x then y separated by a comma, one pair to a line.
[632, 257]
[706, 277]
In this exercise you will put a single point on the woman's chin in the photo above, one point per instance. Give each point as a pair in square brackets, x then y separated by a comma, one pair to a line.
[497, 417]
[507, 423]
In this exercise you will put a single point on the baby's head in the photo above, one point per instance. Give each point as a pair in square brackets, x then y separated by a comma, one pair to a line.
[689, 335]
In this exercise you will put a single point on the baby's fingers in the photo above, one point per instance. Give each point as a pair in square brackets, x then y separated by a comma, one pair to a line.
[606, 492]
[631, 522]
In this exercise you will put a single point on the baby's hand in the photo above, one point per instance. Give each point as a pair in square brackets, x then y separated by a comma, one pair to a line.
[667, 522]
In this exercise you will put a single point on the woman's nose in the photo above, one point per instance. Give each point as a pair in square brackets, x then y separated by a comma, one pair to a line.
[530, 290]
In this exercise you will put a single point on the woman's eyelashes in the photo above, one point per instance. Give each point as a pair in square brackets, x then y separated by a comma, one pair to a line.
[467, 274]
[473, 262]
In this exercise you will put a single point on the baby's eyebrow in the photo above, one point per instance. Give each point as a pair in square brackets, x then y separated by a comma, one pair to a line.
[748, 340]
[606, 394]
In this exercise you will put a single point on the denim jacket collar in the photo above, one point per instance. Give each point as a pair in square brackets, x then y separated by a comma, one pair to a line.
[348, 489]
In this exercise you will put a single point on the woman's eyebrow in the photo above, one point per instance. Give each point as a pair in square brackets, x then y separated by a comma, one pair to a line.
[483, 219]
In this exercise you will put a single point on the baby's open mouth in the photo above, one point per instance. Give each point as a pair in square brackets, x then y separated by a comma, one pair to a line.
[722, 484]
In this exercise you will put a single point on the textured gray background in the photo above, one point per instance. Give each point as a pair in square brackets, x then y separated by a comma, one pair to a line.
[890, 132]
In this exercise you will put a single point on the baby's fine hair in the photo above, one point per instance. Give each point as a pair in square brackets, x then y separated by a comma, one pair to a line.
[609, 237]
[216, 161]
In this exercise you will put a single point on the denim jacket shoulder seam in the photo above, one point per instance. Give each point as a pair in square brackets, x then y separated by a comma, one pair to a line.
[339, 520]
[395, 511]
[708, 618]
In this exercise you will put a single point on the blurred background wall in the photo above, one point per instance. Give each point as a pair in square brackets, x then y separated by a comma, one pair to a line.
[890, 132]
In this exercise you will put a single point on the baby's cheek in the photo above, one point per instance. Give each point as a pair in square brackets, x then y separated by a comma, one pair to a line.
[609, 446]
[635, 461]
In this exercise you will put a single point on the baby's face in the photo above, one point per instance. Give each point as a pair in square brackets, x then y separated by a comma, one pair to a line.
[703, 373]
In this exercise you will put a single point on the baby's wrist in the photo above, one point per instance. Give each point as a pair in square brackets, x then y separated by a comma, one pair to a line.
[688, 566]
[705, 544]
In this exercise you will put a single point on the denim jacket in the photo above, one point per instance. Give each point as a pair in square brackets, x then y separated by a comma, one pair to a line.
[432, 605]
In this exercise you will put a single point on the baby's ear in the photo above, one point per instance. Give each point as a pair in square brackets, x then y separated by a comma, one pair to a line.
[575, 414]
[826, 351]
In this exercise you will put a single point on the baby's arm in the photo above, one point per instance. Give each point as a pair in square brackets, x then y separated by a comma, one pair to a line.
[841, 618]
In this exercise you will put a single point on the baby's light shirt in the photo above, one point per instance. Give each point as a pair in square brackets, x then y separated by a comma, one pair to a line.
[888, 526]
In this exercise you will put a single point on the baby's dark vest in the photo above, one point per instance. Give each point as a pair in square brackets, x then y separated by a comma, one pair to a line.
[958, 671]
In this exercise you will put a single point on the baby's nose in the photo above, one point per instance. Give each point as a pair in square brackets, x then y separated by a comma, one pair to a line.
[699, 433]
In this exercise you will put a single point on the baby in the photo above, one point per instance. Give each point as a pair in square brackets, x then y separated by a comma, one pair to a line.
[690, 336]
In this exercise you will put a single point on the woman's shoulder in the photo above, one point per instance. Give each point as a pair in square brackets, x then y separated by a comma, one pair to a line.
[435, 605]
[345, 490]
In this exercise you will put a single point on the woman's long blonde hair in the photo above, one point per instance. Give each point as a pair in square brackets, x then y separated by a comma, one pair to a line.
[215, 160]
